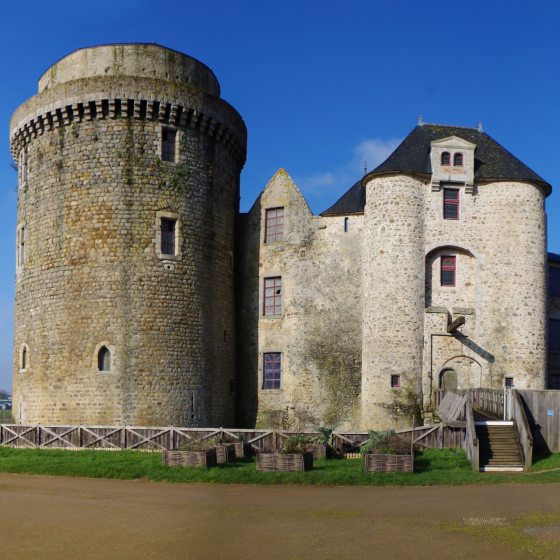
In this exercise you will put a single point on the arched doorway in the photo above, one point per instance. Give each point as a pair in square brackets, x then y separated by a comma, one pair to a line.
[448, 380]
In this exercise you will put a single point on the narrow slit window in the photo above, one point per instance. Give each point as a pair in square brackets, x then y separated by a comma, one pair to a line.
[21, 246]
[448, 270]
[192, 405]
[272, 370]
[273, 296]
[24, 358]
[450, 204]
[445, 158]
[168, 145]
[168, 236]
[458, 160]
[395, 381]
[104, 359]
[274, 225]
[346, 224]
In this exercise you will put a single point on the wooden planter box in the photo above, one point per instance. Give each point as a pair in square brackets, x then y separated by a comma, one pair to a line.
[319, 451]
[225, 452]
[189, 458]
[243, 449]
[388, 463]
[292, 462]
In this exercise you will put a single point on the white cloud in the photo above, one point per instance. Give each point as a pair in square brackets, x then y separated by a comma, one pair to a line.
[372, 150]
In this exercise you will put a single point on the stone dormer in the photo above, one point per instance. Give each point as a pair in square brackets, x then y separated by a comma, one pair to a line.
[452, 161]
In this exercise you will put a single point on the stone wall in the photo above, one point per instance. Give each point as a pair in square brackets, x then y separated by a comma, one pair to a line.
[91, 205]
[319, 331]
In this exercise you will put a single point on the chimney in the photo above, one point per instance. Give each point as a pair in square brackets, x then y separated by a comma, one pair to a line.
[479, 126]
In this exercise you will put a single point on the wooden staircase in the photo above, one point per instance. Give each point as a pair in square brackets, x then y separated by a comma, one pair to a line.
[498, 446]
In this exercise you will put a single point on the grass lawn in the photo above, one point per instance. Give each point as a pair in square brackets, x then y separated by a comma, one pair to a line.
[432, 467]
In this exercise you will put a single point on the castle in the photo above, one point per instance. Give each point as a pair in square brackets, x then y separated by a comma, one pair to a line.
[144, 297]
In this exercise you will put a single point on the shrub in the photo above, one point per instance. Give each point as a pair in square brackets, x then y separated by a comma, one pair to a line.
[376, 440]
[298, 443]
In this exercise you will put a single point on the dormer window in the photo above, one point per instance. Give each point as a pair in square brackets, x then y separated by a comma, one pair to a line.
[458, 160]
[445, 158]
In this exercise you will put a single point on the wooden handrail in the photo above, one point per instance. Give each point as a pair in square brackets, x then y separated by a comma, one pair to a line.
[470, 445]
[523, 430]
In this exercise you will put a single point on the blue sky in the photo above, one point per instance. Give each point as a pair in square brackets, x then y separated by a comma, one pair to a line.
[321, 85]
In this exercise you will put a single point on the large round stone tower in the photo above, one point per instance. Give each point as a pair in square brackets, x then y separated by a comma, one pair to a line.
[129, 166]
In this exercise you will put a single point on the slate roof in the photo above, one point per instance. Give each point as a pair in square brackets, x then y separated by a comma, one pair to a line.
[352, 202]
[553, 257]
[491, 161]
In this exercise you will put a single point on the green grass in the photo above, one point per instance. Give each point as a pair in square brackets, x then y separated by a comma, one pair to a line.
[432, 467]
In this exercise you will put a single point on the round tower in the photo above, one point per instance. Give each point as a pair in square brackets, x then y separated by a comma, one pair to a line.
[393, 312]
[129, 166]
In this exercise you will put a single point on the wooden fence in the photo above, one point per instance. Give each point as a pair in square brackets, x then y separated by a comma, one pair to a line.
[543, 414]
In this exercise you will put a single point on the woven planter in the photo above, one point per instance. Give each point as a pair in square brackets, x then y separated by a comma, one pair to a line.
[292, 462]
[243, 449]
[225, 452]
[388, 463]
[319, 451]
[189, 458]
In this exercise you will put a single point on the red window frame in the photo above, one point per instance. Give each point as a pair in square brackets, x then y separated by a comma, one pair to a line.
[274, 225]
[395, 381]
[168, 140]
[458, 157]
[168, 228]
[273, 296]
[448, 265]
[272, 370]
[446, 159]
[451, 204]
[555, 382]
[509, 382]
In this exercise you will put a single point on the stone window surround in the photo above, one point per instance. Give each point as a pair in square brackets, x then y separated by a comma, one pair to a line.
[20, 226]
[449, 252]
[263, 222]
[262, 278]
[271, 350]
[441, 194]
[178, 140]
[22, 168]
[178, 236]
[113, 351]
[21, 348]
[398, 385]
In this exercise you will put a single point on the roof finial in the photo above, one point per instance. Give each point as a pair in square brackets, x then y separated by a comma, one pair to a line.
[479, 126]
[420, 123]
[365, 167]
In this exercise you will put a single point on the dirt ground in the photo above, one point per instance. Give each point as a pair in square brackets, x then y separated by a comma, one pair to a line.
[53, 518]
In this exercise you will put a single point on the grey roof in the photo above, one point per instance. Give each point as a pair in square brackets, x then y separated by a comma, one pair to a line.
[553, 257]
[352, 202]
[492, 161]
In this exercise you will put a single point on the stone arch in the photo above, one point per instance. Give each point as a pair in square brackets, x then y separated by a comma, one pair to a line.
[23, 357]
[448, 379]
[112, 349]
[463, 377]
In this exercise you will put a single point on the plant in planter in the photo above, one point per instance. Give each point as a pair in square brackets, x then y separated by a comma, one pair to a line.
[192, 454]
[242, 448]
[388, 452]
[325, 447]
[295, 456]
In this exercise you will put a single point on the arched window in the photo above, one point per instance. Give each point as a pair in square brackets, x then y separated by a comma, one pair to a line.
[458, 160]
[24, 358]
[448, 380]
[445, 158]
[104, 359]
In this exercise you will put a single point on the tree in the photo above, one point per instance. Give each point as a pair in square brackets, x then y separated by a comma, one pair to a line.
[4, 394]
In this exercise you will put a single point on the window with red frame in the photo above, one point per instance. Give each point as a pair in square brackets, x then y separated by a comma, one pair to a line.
[274, 225]
[273, 296]
[445, 158]
[272, 371]
[395, 381]
[554, 281]
[450, 204]
[554, 335]
[458, 160]
[448, 270]
[555, 382]
[168, 236]
[168, 145]
[509, 382]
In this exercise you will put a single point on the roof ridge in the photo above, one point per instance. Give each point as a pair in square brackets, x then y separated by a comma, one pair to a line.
[450, 126]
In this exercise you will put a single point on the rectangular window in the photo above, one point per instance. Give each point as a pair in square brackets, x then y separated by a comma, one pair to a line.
[395, 381]
[21, 246]
[168, 145]
[168, 236]
[272, 371]
[345, 225]
[448, 270]
[555, 382]
[509, 382]
[273, 296]
[554, 281]
[450, 204]
[274, 225]
[554, 335]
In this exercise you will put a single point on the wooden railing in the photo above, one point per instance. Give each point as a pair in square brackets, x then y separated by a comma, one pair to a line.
[491, 400]
[438, 395]
[523, 430]
[470, 443]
